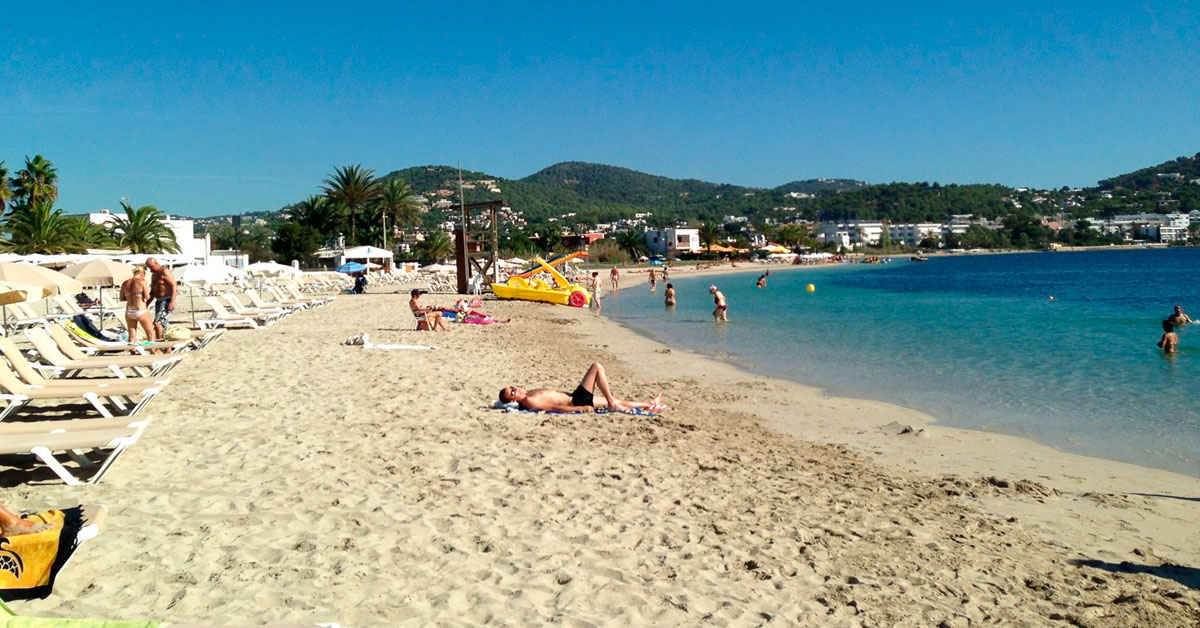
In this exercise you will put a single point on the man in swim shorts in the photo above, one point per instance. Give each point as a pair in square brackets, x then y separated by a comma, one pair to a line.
[581, 400]
[720, 313]
[162, 289]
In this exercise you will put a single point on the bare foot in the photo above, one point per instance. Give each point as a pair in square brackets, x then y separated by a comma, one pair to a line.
[25, 526]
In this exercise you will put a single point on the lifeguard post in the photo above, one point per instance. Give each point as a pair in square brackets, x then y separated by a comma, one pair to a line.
[477, 243]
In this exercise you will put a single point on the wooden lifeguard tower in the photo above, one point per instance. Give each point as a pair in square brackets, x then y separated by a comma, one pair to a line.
[477, 243]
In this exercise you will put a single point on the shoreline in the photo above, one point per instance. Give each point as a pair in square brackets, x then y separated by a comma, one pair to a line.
[930, 448]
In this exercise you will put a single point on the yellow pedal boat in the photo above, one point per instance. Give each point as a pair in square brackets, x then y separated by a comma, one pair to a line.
[562, 293]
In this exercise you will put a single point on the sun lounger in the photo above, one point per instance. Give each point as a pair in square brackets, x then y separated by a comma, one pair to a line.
[296, 294]
[223, 318]
[127, 395]
[63, 426]
[69, 334]
[51, 353]
[289, 300]
[31, 373]
[221, 313]
[46, 446]
[262, 305]
[240, 308]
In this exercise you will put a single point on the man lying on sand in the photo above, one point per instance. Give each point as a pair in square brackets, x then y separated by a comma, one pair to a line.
[582, 400]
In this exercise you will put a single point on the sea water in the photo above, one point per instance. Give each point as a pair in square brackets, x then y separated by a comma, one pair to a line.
[975, 341]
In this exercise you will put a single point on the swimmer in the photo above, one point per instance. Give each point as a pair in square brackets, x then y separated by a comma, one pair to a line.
[1178, 317]
[670, 295]
[1170, 340]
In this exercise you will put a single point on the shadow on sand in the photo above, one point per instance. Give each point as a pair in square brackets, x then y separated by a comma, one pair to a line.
[1160, 495]
[1187, 576]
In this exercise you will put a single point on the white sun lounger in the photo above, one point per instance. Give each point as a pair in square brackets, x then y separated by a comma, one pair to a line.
[46, 446]
[54, 355]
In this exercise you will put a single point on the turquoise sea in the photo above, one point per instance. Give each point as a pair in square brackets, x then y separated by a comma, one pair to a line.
[972, 340]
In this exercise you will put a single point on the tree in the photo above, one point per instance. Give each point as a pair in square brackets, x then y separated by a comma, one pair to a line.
[709, 233]
[397, 202]
[354, 188]
[791, 235]
[632, 242]
[39, 228]
[142, 230]
[319, 213]
[36, 182]
[435, 247]
[6, 191]
[295, 241]
[87, 234]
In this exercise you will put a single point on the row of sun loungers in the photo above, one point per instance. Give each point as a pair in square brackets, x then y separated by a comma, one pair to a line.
[49, 359]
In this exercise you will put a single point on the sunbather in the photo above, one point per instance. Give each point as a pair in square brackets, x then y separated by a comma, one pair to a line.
[581, 400]
[430, 316]
[13, 525]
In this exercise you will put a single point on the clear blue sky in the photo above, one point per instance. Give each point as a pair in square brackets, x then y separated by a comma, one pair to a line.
[248, 106]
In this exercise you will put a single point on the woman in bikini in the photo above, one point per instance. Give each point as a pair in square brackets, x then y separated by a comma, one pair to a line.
[136, 294]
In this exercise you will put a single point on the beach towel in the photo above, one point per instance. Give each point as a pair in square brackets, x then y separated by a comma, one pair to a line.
[83, 323]
[513, 406]
[364, 341]
[29, 563]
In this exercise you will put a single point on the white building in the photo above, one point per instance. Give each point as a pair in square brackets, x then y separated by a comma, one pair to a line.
[912, 234]
[672, 241]
[198, 249]
[851, 233]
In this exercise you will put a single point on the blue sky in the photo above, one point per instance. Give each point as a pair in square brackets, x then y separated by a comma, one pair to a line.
[248, 106]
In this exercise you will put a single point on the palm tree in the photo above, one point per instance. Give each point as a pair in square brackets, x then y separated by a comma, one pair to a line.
[6, 191]
[39, 228]
[791, 235]
[88, 234]
[709, 233]
[353, 187]
[37, 181]
[319, 213]
[435, 247]
[142, 230]
[397, 201]
[632, 242]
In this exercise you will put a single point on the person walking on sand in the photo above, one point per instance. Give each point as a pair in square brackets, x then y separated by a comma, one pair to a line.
[595, 283]
[136, 295]
[581, 400]
[721, 312]
[653, 280]
[670, 295]
[1170, 340]
[162, 289]
[1178, 317]
[615, 277]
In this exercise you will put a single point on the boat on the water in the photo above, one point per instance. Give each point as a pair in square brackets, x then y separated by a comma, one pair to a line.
[918, 258]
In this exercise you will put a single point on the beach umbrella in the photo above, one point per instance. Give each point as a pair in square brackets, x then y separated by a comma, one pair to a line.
[11, 292]
[100, 273]
[53, 281]
[271, 268]
[351, 268]
[438, 268]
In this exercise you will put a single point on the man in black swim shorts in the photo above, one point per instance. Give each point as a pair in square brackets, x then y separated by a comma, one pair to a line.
[581, 400]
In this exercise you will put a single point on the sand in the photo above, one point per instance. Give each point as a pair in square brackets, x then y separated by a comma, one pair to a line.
[288, 478]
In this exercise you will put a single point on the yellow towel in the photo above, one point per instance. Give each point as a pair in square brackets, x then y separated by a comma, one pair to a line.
[30, 562]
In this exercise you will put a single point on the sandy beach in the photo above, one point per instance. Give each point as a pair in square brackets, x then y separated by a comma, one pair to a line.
[289, 478]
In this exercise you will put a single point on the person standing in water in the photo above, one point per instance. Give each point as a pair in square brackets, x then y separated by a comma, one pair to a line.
[670, 295]
[596, 286]
[721, 312]
[1178, 317]
[615, 277]
[653, 280]
[1170, 340]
